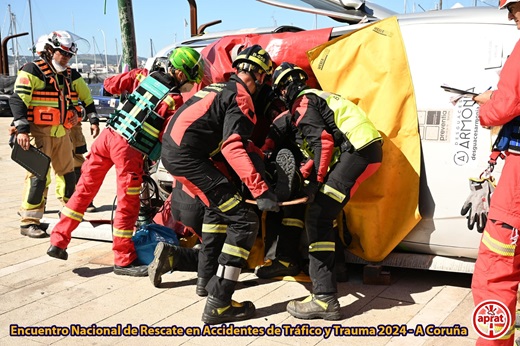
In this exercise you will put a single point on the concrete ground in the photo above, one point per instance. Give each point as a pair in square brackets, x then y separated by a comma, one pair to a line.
[82, 295]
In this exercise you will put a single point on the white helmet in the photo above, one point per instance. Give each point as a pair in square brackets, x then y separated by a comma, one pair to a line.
[40, 45]
[503, 3]
[62, 40]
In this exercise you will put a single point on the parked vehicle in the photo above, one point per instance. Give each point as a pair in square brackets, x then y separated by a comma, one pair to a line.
[6, 90]
[105, 102]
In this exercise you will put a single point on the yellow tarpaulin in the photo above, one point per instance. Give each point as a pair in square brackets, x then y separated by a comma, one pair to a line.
[370, 68]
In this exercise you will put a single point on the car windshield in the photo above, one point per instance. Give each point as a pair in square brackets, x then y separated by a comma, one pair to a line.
[95, 88]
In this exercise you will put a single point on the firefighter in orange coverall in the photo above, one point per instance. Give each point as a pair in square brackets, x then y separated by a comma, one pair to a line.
[113, 147]
[497, 270]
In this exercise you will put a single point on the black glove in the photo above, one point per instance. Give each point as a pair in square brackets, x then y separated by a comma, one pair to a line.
[310, 190]
[268, 202]
[477, 203]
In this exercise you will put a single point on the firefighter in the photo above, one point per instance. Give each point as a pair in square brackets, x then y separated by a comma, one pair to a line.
[345, 149]
[497, 269]
[45, 105]
[213, 126]
[133, 131]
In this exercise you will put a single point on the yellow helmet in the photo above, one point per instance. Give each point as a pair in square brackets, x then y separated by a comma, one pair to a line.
[254, 58]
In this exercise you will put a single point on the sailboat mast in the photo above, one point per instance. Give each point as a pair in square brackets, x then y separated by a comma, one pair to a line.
[14, 43]
[31, 22]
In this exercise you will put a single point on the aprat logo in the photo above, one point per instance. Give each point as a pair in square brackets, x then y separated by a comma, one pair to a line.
[491, 319]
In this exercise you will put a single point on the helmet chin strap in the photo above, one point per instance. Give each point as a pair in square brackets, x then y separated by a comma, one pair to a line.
[258, 84]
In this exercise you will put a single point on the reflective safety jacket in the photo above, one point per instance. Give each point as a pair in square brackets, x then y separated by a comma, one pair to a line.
[218, 119]
[48, 99]
[330, 124]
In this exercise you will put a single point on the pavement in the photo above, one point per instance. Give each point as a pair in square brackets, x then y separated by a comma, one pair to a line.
[82, 302]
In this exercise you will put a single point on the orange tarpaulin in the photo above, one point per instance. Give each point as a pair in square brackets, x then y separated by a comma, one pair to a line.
[370, 68]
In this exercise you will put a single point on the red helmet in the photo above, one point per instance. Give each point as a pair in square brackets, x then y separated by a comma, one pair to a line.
[503, 3]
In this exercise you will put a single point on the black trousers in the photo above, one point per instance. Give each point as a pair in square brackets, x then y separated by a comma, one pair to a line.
[339, 186]
[230, 226]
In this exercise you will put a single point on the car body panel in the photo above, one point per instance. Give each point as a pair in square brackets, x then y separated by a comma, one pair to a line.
[105, 103]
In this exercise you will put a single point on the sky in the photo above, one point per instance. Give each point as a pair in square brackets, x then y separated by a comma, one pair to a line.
[159, 23]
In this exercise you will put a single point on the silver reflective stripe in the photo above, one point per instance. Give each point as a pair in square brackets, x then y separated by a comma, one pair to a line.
[228, 272]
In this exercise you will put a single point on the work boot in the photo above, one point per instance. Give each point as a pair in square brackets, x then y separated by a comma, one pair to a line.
[217, 311]
[288, 180]
[201, 287]
[276, 268]
[33, 231]
[57, 252]
[165, 256]
[324, 306]
[133, 269]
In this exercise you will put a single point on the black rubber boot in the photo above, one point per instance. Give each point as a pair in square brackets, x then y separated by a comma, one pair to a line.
[217, 311]
[277, 268]
[57, 252]
[325, 306]
[201, 287]
[168, 258]
[133, 269]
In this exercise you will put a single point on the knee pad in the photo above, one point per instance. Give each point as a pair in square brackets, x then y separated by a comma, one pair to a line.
[70, 184]
[36, 190]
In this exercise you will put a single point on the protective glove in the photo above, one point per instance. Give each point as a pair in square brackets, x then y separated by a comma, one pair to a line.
[310, 190]
[477, 203]
[268, 202]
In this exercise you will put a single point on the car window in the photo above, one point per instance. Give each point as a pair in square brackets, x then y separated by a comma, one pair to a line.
[94, 89]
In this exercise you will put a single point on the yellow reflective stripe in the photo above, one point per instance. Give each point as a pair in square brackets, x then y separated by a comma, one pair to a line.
[497, 246]
[31, 213]
[335, 223]
[235, 251]
[140, 77]
[509, 333]
[60, 187]
[230, 203]
[322, 246]
[123, 233]
[214, 228]
[220, 311]
[74, 215]
[170, 102]
[133, 190]
[150, 130]
[333, 193]
[293, 222]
